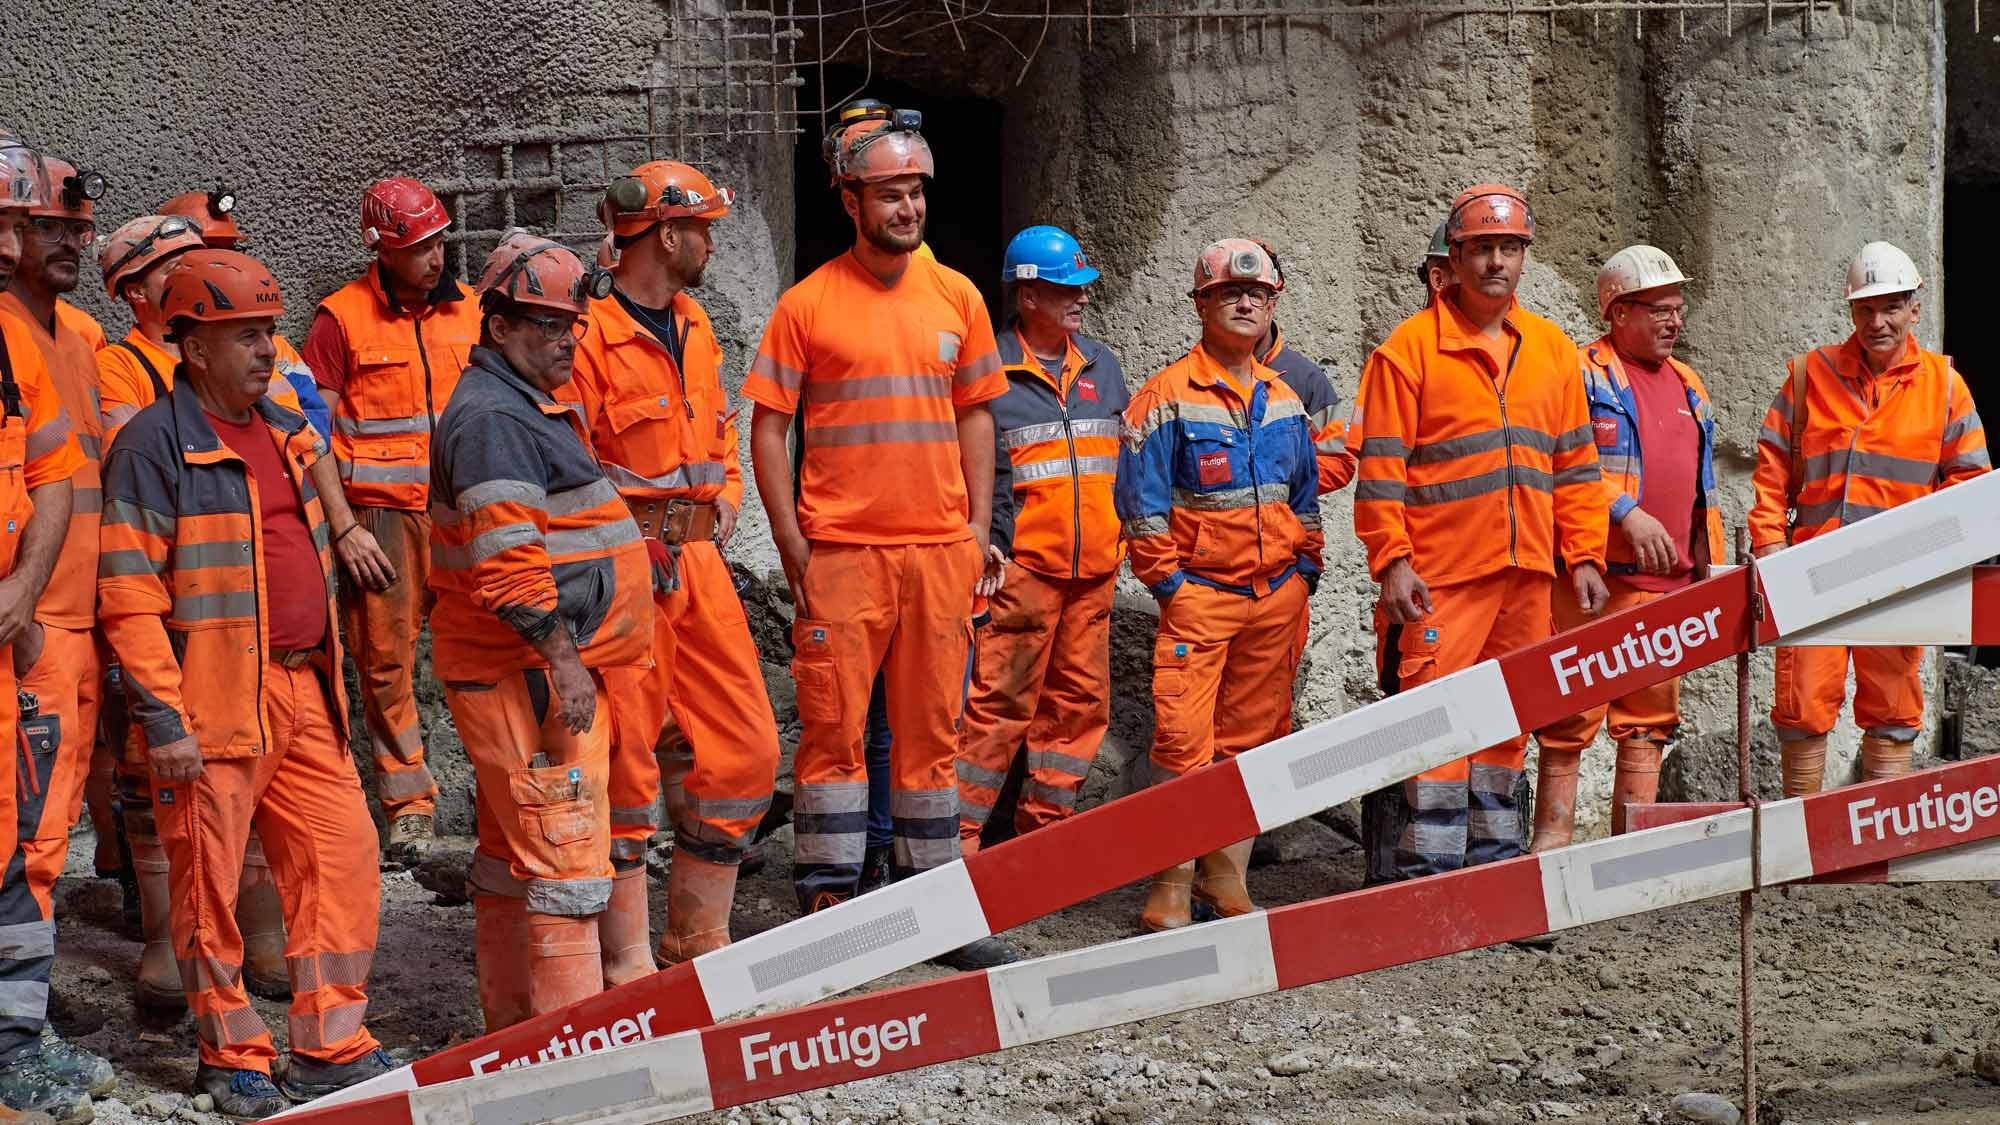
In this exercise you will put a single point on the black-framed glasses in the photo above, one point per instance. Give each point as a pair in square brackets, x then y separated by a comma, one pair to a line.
[553, 328]
[1662, 312]
[52, 231]
[1259, 296]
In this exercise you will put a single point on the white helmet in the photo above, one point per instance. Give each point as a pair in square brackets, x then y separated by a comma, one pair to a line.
[1634, 270]
[1881, 268]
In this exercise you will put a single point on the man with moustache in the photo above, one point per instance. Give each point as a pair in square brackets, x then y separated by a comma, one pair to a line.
[892, 358]
[1477, 474]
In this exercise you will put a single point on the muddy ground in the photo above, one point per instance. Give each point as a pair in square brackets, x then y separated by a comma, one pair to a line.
[1874, 1004]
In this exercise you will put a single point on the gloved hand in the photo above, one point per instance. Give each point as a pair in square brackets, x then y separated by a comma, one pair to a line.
[666, 575]
[1312, 581]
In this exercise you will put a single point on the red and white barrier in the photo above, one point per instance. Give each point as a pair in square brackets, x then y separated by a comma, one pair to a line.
[1958, 609]
[1327, 764]
[1906, 820]
[1965, 863]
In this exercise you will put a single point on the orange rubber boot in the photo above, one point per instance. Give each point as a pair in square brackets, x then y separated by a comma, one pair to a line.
[500, 926]
[1804, 763]
[1555, 798]
[699, 896]
[260, 918]
[1169, 903]
[1220, 883]
[159, 986]
[1637, 780]
[624, 930]
[1883, 757]
[564, 962]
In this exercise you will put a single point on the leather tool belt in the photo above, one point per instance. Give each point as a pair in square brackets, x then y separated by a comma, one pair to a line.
[674, 522]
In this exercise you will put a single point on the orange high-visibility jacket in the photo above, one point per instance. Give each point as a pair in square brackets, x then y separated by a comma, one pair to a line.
[69, 601]
[1614, 417]
[37, 446]
[527, 535]
[1466, 469]
[401, 369]
[81, 323]
[1867, 443]
[1309, 381]
[662, 429]
[1056, 460]
[134, 372]
[1215, 489]
[181, 575]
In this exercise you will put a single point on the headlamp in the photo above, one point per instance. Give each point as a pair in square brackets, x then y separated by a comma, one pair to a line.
[86, 184]
[221, 201]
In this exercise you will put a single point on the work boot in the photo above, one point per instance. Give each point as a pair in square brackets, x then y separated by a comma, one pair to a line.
[699, 895]
[875, 872]
[75, 1065]
[1883, 757]
[1169, 902]
[1219, 884]
[260, 918]
[308, 1078]
[624, 930]
[564, 962]
[500, 938]
[410, 836]
[240, 1095]
[159, 986]
[1803, 763]
[1555, 799]
[986, 953]
[1636, 781]
[28, 1082]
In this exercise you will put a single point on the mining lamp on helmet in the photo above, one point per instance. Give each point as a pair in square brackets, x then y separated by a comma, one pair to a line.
[85, 184]
[222, 201]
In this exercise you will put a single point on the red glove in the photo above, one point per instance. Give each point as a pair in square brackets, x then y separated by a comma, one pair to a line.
[666, 578]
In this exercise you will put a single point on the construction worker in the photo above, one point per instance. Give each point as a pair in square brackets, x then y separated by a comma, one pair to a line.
[1042, 672]
[894, 358]
[1655, 435]
[1218, 491]
[1434, 272]
[1857, 428]
[215, 211]
[542, 584]
[191, 576]
[39, 1073]
[1477, 473]
[649, 376]
[387, 349]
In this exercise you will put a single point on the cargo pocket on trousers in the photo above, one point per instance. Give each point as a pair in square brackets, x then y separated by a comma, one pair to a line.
[1169, 684]
[560, 822]
[1419, 657]
[816, 671]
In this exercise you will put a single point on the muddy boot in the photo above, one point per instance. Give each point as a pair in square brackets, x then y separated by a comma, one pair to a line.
[986, 953]
[1883, 757]
[159, 986]
[28, 1083]
[240, 1095]
[75, 1065]
[410, 836]
[624, 930]
[308, 1078]
[1555, 799]
[260, 918]
[1637, 780]
[699, 895]
[875, 873]
[1168, 903]
[500, 938]
[1804, 765]
[564, 962]
[1219, 884]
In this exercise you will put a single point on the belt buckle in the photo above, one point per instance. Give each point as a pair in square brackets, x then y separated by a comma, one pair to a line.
[296, 659]
[676, 519]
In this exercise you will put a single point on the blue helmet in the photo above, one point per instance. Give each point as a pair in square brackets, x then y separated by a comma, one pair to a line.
[1048, 254]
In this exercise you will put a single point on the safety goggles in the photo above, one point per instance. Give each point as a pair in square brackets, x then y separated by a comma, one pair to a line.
[593, 284]
[172, 227]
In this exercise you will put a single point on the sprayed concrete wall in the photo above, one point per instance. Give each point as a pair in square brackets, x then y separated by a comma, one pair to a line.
[1760, 158]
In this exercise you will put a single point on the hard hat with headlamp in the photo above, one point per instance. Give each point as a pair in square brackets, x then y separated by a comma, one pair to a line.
[215, 211]
[527, 269]
[871, 142]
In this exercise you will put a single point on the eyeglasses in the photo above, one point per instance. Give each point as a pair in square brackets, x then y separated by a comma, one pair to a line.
[51, 231]
[1663, 313]
[1259, 296]
[553, 328]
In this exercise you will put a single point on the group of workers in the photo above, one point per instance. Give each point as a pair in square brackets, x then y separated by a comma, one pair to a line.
[544, 467]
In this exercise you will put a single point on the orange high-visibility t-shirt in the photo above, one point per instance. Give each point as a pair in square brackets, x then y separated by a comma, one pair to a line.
[882, 372]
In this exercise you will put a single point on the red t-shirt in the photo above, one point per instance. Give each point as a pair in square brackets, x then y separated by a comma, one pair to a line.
[326, 353]
[293, 583]
[1670, 442]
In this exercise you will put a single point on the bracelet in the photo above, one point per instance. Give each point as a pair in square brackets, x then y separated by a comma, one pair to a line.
[351, 529]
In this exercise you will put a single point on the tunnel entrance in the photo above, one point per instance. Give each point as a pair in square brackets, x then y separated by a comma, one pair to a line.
[1971, 200]
[963, 222]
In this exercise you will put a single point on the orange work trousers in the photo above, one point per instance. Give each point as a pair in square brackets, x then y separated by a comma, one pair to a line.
[905, 612]
[1040, 672]
[1463, 812]
[303, 797]
[1650, 714]
[706, 675]
[67, 685]
[1223, 665]
[543, 806]
[382, 634]
[1812, 685]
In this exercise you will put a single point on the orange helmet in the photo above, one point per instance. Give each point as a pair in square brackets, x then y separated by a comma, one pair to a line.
[212, 209]
[25, 172]
[660, 190]
[141, 244]
[207, 285]
[1235, 260]
[400, 212]
[870, 142]
[73, 192]
[1489, 209]
[528, 269]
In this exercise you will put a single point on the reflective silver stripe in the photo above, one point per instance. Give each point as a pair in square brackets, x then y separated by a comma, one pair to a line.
[1389, 490]
[880, 433]
[1881, 466]
[1384, 447]
[1571, 439]
[208, 607]
[477, 496]
[49, 438]
[1182, 411]
[602, 537]
[834, 797]
[1278, 409]
[1811, 515]
[127, 564]
[489, 543]
[979, 775]
[921, 853]
[314, 970]
[117, 416]
[402, 784]
[878, 386]
[1492, 824]
[234, 1025]
[135, 515]
[1492, 441]
[728, 808]
[626, 849]
[790, 378]
[86, 501]
[1309, 520]
[690, 475]
[1059, 467]
[1498, 781]
[1269, 492]
[572, 501]
[1047, 794]
[1140, 527]
[1060, 763]
[636, 816]
[1029, 435]
[1612, 465]
[1436, 796]
[25, 941]
[978, 369]
[385, 474]
[1976, 458]
[1953, 430]
[1445, 492]
[92, 447]
[24, 999]
[1585, 473]
[972, 811]
[923, 804]
[574, 898]
[314, 1031]
[1330, 445]
[1097, 466]
[491, 875]
[228, 552]
[1097, 427]
[381, 427]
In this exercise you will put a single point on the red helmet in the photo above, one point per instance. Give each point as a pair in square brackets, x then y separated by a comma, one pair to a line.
[528, 269]
[1490, 209]
[213, 285]
[24, 176]
[212, 209]
[1235, 260]
[138, 245]
[73, 192]
[400, 212]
